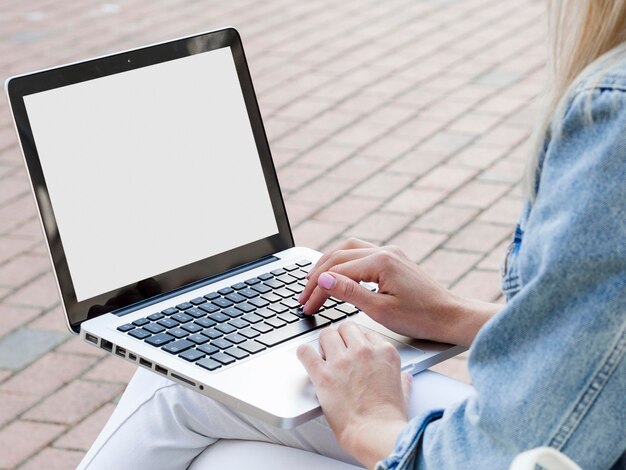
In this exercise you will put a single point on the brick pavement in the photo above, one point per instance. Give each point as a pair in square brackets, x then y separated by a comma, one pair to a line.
[398, 122]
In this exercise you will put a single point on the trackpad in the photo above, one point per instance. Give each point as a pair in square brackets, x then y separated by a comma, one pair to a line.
[408, 354]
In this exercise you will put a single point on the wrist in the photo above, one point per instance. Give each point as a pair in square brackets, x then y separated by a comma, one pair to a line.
[372, 440]
[466, 317]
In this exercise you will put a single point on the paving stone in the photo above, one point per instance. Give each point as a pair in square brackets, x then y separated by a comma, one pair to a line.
[12, 404]
[48, 374]
[379, 226]
[455, 368]
[42, 293]
[53, 320]
[506, 211]
[73, 402]
[478, 194]
[382, 185]
[479, 284]
[417, 244]
[25, 345]
[23, 269]
[12, 317]
[447, 266]
[54, 459]
[445, 218]
[83, 435]
[414, 201]
[479, 237]
[112, 369]
[76, 345]
[20, 439]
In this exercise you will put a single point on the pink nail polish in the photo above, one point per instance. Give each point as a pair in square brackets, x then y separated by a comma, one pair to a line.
[326, 281]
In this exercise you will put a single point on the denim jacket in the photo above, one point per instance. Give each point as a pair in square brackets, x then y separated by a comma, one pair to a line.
[549, 368]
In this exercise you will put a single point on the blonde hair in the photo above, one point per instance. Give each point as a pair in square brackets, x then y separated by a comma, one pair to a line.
[584, 37]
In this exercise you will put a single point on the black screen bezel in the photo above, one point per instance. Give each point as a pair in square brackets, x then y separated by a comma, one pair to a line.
[18, 87]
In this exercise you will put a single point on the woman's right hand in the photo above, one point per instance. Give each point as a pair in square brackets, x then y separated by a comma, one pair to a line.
[408, 301]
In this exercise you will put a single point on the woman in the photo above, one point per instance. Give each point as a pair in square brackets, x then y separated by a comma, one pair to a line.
[548, 368]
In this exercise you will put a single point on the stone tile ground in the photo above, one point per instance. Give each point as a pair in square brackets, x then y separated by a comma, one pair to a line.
[400, 122]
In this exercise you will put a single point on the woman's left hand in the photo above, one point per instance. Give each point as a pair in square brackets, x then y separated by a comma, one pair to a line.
[363, 394]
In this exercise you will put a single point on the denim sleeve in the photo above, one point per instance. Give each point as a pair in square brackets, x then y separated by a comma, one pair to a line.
[549, 368]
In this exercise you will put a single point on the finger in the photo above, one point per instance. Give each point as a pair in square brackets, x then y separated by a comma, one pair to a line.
[349, 244]
[311, 360]
[374, 337]
[336, 258]
[342, 283]
[352, 334]
[331, 343]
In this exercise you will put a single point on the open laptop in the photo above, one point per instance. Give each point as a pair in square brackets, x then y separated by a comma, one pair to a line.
[166, 226]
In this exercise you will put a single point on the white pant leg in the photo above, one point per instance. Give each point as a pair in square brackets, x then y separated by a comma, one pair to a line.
[161, 425]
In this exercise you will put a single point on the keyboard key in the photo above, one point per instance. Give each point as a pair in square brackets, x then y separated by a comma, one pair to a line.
[265, 276]
[211, 296]
[219, 317]
[249, 293]
[286, 278]
[232, 312]
[126, 327]
[271, 297]
[261, 288]
[139, 334]
[295, 288]
[300, 275]
[226, 291]
[170, 311]
[209, 308]
[160, 339]
[197, 338]
[222, 302]
[252, 347]
[294, 329]
[249, 333]
[291, 303]
[262, 327]
[290, 267]
[168, 323]
[205, 322]
[178, 332]
[252, 318]
[208, 349]
[275, 322]
[288, 317]
[274, 284]
[181, 317]
[192, 328]
[283, 292]
[195, 312]
[198, 300]
[239, 285]
[333, 314]
[253, 281]
[184, 306]
[237, 353]
[225, 328]
[278, 308]
[329, 303]
[258, 302]
[155, 316]
[154, 328]
[178, 346]
[278, 272]
[212, 334]
[348, 309]
[141, 322]
[298, 312]
[238, 323]
[192, 355]
[235, 297]
[265, 313]
[245, 307]
[223, 358]
[209, 364]
[303, 263]
[221, 343]
[235, 338]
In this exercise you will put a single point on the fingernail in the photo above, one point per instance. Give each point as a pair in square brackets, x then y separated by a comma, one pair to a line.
[300, 298]
[326, 281]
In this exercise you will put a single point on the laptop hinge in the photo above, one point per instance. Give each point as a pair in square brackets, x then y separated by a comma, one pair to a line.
[194, 285]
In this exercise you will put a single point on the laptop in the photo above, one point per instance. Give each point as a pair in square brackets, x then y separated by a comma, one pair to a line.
[166, 226]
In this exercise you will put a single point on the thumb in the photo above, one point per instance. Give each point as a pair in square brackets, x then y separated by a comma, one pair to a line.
[346, 289]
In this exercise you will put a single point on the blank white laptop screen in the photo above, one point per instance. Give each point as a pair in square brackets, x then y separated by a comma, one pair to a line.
[150, 169]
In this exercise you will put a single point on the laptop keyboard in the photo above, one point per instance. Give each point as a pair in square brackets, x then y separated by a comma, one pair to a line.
[237, 321]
